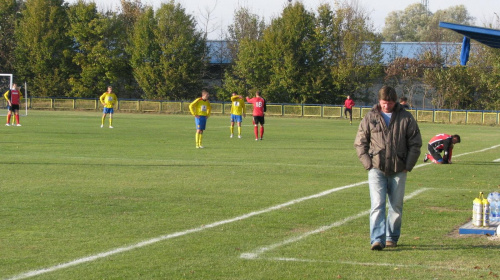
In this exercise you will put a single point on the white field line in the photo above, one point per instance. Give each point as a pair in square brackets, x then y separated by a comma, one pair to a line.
[256, 253]
[497, 160]
[176, 234]
[186, 232]
[433, 267]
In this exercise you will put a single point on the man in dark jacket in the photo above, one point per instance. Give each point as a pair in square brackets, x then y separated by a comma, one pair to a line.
[388, 144]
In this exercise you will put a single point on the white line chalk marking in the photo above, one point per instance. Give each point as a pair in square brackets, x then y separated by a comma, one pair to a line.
[433, 267]
[177, 234]
[255, 254]
[194, 230]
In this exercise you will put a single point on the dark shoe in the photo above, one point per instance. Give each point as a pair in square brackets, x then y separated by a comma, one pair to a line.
[426, 158]
[377, 246]
[391, 244]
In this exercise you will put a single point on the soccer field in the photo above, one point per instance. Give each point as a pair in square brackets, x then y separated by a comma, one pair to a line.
[141, 202]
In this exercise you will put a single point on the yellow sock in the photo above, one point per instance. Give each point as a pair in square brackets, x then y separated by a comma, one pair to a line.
[110, 121]
[197, 137]
[239, 130]
[232, 129]
[102, 120]
[200, 137]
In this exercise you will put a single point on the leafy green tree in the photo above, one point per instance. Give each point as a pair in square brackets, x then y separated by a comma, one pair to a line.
[43, 53]
[281, 63]
[417, 24]
[131, 10]
[351, 52]
[168, 53]
[302, 58]
[98, 54]
[9, 14]
[245, 26]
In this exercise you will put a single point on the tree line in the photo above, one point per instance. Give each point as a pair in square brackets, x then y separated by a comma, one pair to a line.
[301, 56]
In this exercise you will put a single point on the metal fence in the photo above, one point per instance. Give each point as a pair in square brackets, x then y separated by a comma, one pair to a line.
[285, 110]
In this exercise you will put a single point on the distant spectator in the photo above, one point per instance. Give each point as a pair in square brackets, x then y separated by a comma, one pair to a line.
[438, 144]
[348, 104]
[404, 102]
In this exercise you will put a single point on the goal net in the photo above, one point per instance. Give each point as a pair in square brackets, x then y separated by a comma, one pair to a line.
[6, 81]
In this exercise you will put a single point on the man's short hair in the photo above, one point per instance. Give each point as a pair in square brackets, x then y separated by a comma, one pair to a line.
[403, 99]
[387, 93]
[456, 136]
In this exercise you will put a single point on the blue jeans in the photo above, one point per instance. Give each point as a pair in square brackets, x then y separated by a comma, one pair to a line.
[384, 229]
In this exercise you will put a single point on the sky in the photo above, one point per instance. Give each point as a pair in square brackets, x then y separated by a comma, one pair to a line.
[221, 11]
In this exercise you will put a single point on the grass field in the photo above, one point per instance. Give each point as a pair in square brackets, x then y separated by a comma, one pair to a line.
[140, 202]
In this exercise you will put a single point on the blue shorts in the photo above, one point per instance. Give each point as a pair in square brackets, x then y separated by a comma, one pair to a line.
[108, 111]
[201, 122]
[236, 118]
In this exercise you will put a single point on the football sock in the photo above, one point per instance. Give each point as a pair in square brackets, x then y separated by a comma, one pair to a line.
[232, 129]
[256, 131]
[17, 119]
[8, 118]
[110, 121]
[261, 132]
[102, 120]
[200, 138]
[197, 137]
[239, 130]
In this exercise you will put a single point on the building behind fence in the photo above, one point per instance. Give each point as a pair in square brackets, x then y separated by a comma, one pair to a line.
[284, 110]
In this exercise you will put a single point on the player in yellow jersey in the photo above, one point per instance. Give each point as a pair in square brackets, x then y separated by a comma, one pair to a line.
[108, 100]
[200, 108]
[237, 111]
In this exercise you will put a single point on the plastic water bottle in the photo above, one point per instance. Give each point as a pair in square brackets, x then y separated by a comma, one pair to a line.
[494, 200]
[496, 207]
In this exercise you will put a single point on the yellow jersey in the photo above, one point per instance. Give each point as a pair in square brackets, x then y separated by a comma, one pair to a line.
[108, 99]
[200, 107]
[237, 106]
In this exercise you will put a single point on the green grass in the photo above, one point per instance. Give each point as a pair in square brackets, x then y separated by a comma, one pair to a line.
[71, 190]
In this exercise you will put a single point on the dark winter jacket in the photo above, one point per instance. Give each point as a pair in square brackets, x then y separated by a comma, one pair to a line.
[390, 149]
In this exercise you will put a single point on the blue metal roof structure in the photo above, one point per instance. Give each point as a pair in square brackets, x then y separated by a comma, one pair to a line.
[487, 36]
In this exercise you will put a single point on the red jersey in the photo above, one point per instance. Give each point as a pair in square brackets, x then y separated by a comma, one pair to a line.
[14, 96]
[259, 106]
[349, 103]
[442, 142]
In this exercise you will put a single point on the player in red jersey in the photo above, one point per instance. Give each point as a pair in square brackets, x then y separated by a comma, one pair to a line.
[259, 107]
[13, 97]
[439, 143]
[348, 104]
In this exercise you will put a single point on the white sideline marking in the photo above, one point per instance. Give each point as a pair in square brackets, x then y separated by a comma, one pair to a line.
[176, 234]
[255, 254]
[497, 160]
[198, 229]
[377, 264]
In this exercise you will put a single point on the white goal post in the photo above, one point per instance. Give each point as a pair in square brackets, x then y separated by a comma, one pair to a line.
[6, 81]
